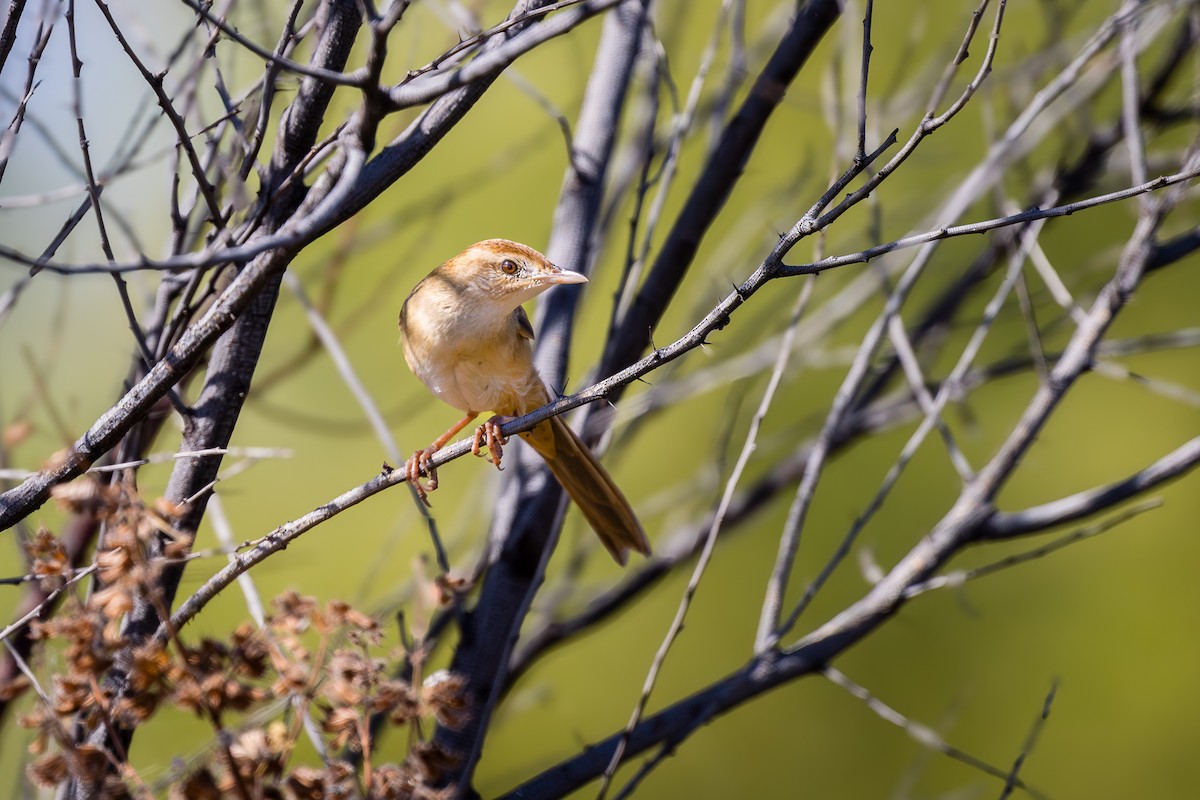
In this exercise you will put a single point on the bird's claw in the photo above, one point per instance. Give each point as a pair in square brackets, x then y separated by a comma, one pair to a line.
[418, 464]
[488, 434]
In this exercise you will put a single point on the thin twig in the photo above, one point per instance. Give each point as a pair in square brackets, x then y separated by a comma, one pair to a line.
[923, 734]
[1012, 782]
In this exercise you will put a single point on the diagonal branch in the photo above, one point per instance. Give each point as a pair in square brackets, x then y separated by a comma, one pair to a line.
[716, 182]
[1007, 525]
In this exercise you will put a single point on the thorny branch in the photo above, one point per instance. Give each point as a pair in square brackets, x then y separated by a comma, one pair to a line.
[228, 255]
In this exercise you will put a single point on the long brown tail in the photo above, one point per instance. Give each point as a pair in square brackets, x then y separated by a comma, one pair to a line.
[591, 487]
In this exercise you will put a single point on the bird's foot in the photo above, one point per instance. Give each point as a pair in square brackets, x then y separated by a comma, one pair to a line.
[488, 434]
[418, 464]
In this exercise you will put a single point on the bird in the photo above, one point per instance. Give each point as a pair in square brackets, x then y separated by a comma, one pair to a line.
[467, 338]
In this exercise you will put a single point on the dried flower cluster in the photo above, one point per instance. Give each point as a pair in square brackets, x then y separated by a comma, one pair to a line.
[324, 660]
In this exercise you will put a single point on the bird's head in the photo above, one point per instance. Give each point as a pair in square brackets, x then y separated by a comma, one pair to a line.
[504, 273]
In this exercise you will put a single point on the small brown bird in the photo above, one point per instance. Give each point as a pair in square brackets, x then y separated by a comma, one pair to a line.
[467, 338]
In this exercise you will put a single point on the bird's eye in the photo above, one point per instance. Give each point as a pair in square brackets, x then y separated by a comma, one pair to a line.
[508, 266]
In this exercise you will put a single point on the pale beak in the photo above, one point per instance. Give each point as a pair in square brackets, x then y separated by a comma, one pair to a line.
[550, 275]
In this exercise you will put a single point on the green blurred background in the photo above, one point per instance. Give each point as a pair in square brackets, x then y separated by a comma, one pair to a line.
[1112, 620]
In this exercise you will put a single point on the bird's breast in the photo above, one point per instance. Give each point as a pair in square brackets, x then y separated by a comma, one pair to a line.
[468, 364]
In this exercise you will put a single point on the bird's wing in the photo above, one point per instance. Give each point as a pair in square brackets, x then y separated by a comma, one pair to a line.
[524, 327]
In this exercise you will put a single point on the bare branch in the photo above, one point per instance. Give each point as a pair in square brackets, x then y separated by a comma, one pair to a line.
[1084, 504]
[923, 734]
[724, 166]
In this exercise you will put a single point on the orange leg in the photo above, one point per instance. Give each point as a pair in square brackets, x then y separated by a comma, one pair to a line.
[489, 434]
[419, 463]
